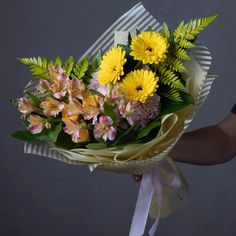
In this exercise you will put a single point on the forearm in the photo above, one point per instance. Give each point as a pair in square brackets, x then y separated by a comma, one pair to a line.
[209, 145]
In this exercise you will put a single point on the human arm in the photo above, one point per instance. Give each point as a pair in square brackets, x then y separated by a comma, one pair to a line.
[209, 145]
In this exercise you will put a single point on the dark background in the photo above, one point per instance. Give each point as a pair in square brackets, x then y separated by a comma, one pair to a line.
[43, 197]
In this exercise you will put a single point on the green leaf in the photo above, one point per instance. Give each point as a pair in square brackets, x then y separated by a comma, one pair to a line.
[117, 140]
[165, 31]
[109, 111]
[129, 39]
[34, 100]
[50, 134]
[170, 78]
[58, 61]
[81, 67]
[146, 130]
[189, 30]
[97, 60]
[69, 63]
[23, 135]
[172, 106]
[38, 66]
[96, 146]
[149, 29]
[95, 92]
[14, 101]
[182, 54]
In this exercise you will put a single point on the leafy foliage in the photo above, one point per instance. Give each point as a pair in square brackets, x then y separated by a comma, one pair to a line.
[68, 66]
[189, 30]
[38, 66]
[80, 68]
[173, 94]
[182, 54]
[165, 31]
[169, 77]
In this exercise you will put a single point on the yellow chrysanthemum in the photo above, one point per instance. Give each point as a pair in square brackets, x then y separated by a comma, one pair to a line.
[138, 85]
[149, 47]
[111, 68]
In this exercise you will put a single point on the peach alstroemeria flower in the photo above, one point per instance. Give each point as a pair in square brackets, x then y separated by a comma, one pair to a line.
[43, 86]
[37, 124]
[91, 108]
[59, 87]
[70, 112]
[25, 107]
[78, 131]
[51, 107]
[76, 89]
[55, 72]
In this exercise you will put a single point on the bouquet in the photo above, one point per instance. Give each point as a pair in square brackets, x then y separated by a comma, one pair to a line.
[122, 106]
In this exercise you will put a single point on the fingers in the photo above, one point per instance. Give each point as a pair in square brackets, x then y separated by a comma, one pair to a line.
[137, 178]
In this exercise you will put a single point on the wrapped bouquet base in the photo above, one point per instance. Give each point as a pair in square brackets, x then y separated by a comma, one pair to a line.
[163, 188]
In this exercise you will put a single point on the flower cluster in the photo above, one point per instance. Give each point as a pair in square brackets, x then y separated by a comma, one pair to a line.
[115, 98]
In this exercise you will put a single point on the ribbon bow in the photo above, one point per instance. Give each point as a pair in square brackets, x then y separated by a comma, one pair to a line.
[152, 182]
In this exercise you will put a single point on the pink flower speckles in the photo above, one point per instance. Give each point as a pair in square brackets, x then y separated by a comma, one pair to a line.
[78, 131]
[104, 129]
[51, 107]
[25, 107]
[59, 87]
[37, 124]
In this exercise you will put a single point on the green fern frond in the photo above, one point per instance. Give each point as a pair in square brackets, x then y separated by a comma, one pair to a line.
[169, 77]
[81, 68]
[176, 65]
[58, 61]
[184, 43]
[173, 94]
[38, 66]
[182, 54]
[68, 65]
[165, 31]
[189, 30]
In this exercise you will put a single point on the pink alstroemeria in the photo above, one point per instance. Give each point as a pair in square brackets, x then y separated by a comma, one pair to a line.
[43, 86]
[128, 111]
[55, 72]
[78, 131]
[104, 129]
[37, 124]
[76, 89]
[59, 87]
[95, 85]
[72, 110]
[91, 108]
[25, 107]
[51, 107]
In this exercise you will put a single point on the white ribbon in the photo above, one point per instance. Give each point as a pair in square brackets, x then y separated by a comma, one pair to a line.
[152, 182]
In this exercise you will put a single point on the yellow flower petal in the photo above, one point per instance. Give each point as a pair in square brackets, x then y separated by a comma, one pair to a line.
[138, 85]
[111, 68]
[149, 47]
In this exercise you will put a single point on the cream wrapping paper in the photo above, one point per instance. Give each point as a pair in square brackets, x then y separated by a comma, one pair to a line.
[141, 158]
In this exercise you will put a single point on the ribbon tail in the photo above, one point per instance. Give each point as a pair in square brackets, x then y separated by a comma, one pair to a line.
[158, 190]
[142, 206]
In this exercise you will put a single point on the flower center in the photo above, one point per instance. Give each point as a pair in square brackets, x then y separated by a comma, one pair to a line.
[149, 49]
[139, 88]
